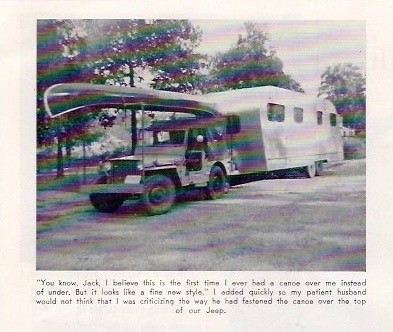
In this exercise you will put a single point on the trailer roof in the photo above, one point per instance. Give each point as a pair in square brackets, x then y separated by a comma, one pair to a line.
[64, 98]
[233, 101]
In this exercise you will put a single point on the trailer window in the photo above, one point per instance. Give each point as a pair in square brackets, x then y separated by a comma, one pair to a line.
[275, 112]
[333, 119]
[319, 117]
[298, 114]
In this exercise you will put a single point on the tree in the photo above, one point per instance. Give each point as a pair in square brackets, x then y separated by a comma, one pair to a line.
[249, 63]
[174, 61]
[60, 58]
[163, 46]
[109, 52]
[345, 86]
[113, 50]
[49, 59]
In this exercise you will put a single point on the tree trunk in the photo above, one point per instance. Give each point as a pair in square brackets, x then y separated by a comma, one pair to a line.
[84, 161]
[60, 159]
[67, 144]
[134, 136]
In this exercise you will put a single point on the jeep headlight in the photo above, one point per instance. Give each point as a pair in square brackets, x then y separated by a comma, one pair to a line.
[139, 166]
[105, 167]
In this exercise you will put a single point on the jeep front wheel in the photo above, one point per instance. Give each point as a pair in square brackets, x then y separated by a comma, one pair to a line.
[159, 194]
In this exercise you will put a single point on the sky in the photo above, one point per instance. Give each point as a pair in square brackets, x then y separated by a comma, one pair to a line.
[306, 48]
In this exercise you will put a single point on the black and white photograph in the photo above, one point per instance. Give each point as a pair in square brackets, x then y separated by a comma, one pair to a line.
[201, 145]
[173, 166]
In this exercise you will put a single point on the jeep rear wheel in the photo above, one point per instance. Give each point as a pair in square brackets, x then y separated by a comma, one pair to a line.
[310, 171]
[106, 203]
[319, 168]
[217, 185]
[159, 194]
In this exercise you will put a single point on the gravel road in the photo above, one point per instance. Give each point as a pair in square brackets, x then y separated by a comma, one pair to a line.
[287, 224]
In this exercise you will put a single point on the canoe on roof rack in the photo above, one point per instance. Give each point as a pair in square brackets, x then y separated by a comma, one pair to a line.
[64, 98]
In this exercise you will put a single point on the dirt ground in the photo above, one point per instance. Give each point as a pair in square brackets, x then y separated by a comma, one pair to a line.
[287, 224]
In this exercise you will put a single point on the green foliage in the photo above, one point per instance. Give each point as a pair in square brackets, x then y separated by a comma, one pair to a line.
[59, 56]
[249, 64]
[117, 48]
[354, 147]
[108, 52]
[112, 51]
[345, 86]
[59, 60]
[171, 55]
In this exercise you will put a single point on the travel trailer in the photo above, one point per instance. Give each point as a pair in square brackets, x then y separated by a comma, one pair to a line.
[281, 129]
[182, 141]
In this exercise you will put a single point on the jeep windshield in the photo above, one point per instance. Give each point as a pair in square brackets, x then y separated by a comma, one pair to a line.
[126, 118]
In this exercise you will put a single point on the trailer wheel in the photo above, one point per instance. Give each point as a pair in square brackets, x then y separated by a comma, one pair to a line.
[318, 168]
[310, 170]
[217, 185]
[106, 203]
[159, 194]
